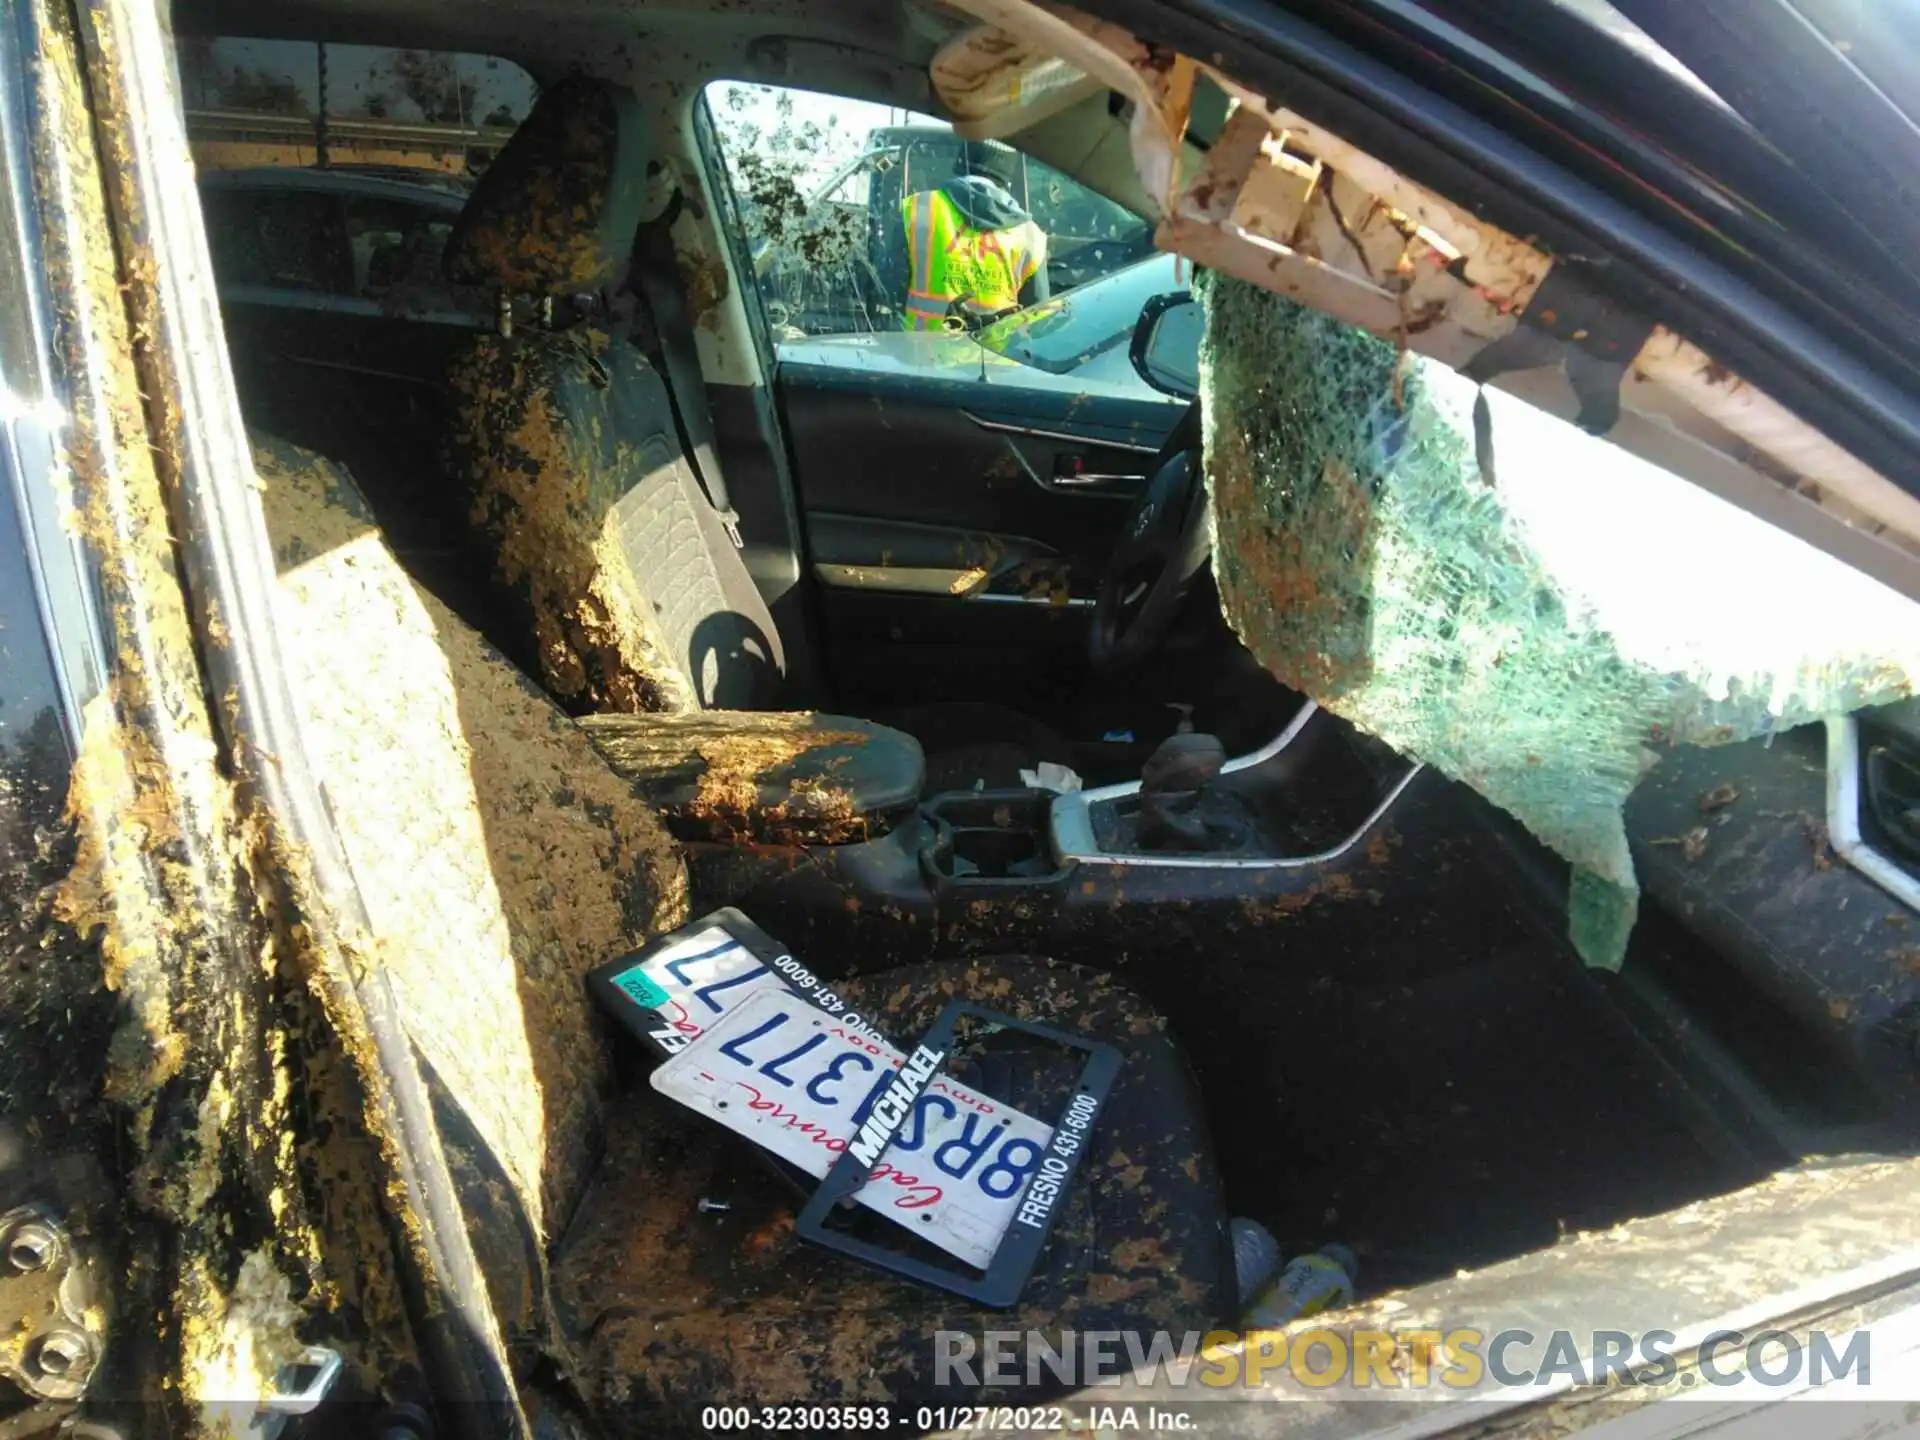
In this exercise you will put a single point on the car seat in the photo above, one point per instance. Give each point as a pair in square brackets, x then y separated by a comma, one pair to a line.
[606, 551]
[500, 859]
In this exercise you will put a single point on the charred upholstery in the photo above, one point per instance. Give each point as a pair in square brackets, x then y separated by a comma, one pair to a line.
[603, 541]
[672, 1309]
[498, 857]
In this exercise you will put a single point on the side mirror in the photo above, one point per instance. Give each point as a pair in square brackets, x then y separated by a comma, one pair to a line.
[1166, 344]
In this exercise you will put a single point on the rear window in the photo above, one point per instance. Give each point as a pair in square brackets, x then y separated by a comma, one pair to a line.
[278, 240]
[378, 148]
[439, 114]
[394, 242]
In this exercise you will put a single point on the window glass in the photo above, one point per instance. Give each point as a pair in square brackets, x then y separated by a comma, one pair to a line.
[378, 147]
[819, 182]
[1088, 234]
[300, 103]
[1061, 335]
[396, 248]
[1502, 594]
[278, 240]
[852, 191]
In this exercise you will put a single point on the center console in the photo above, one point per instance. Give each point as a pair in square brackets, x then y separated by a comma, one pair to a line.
[1090, 874]
[988, 839]
[1300, 799]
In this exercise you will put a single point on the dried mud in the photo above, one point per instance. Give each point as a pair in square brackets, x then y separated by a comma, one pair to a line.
[676, 1309]
[498, 857]
[530, 448]
[759, 777]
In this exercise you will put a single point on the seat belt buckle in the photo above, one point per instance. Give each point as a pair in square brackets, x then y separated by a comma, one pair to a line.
[730, 521]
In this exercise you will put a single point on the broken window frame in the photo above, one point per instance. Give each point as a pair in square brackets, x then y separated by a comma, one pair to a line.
[1351, 244]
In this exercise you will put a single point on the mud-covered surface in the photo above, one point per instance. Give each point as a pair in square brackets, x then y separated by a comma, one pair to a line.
[536, 447]
[193, 1096]
[50, 985]
[1733, 842]
[814, 255]
[1400, 1052]
[1397, 1048]
[556, 211]
[765, 777]
[676, 1309]
[497, 856]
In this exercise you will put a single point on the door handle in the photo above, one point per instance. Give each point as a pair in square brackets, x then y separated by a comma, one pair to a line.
[1070, 472]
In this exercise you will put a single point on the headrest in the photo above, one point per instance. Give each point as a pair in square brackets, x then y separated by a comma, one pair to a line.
[556, 212]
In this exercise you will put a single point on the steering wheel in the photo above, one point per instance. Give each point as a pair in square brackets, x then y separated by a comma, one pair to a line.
[1161, 548]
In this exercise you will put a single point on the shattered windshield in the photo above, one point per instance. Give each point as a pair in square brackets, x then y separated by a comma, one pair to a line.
[1491, 590]
[820, 183]
[1061, 335]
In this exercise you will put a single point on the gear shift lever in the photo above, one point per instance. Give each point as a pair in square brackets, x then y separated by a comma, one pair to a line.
[1171, 783]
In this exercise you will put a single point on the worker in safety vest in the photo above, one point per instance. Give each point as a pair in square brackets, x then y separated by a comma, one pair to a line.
[972, 251]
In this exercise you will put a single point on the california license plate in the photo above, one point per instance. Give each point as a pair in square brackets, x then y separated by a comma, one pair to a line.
[672, 992]
[799, 1082]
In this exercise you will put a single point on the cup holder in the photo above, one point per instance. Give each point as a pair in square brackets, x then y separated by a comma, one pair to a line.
[991, 837]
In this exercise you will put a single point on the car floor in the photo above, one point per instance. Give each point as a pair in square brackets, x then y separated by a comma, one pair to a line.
[1458, 1121]
[1434, 1121]
[1449, 1089]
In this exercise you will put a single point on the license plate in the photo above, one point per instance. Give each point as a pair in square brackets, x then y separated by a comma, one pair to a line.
[692, 982]
[798, 1081]
[678, 990]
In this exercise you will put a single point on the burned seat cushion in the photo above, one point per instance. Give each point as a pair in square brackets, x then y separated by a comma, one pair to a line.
[672, 1308]
[768, 777]
[498, 857]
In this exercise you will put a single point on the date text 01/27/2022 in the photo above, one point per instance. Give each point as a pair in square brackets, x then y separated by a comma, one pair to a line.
[971, 1419]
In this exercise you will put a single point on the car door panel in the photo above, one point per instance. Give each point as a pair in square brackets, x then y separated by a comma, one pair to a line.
[958, 501]
[889, 648]
[865, 552]
[957, 532]
[1052, 467]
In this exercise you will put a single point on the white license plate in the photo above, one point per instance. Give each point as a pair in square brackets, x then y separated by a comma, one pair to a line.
[697, 979]
[792, 1079]
[694, 981]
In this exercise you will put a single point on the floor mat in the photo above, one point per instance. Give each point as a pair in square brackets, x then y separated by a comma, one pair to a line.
[1451, 1123]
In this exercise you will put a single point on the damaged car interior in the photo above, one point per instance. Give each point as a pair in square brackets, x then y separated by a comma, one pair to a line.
[1429, 703]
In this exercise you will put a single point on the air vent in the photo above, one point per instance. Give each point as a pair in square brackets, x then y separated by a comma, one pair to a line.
[1890, 817]
[1873, 795]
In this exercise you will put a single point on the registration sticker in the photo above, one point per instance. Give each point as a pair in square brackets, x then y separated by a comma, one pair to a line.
[672, 991]
[805, 1085]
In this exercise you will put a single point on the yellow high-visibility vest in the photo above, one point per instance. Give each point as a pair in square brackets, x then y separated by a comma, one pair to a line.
[950, 260]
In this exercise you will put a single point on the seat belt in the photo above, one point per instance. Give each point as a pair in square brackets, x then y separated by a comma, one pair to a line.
[657, 277]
